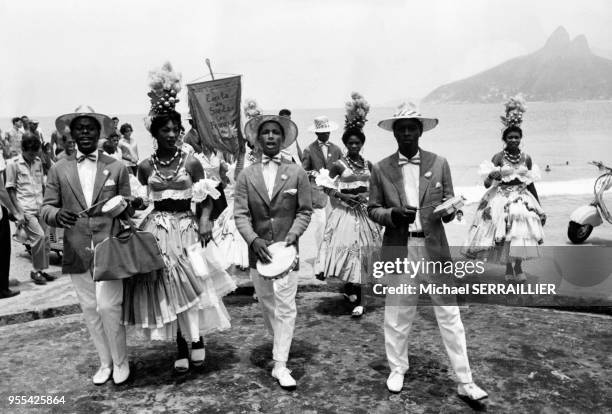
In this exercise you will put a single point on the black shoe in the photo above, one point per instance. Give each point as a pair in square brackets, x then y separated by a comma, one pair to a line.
[37, 278]
[47, 276]
[9, 293]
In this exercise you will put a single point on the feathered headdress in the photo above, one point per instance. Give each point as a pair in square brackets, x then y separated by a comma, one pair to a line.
[356, 111]
[515, 107]
[165, 85]
[251, 110]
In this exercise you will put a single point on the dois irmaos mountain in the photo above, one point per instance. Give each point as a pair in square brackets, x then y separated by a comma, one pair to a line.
[563, 69]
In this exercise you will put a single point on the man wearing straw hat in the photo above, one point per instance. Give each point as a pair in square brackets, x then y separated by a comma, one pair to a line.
[405, 188]
[76, 189]
[320, 154]
[273, 204]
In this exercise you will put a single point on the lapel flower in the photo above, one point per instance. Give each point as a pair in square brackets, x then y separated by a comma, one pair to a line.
[105, 172]
[427, 174]
[283, 177]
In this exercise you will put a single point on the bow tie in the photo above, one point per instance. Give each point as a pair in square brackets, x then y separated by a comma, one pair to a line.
[91, 157]
[323, 144]
[266, 160]
[414, 160]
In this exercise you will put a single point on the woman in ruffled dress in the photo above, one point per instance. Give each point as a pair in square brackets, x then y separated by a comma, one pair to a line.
[232, 247]
[176, 303]
[507, 227]
[351, 239]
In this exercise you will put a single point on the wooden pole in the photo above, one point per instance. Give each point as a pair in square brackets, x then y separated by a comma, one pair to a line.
[210, 69]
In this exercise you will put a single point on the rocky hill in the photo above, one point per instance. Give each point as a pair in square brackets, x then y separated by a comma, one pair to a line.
[563, 69]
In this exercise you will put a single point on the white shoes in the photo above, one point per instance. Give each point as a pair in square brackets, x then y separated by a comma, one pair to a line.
[471, 391]
[121, 373]
[395, 382]
[197, 356]
[103, 375]
[181, 365]
[283, 375]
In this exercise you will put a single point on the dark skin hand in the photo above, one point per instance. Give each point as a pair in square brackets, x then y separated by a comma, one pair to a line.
[403, 215]
[66, 218]
[260, 248]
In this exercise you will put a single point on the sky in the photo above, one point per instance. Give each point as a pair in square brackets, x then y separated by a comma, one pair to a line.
[57, 54]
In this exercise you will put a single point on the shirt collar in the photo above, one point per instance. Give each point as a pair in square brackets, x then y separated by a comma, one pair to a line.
[22, 160]
[403, 157]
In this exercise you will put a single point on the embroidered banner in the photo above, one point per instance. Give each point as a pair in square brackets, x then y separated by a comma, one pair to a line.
[215, 108]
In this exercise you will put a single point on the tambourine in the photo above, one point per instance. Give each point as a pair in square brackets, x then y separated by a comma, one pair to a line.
[284, 260]
[115, 206]
[449, 206]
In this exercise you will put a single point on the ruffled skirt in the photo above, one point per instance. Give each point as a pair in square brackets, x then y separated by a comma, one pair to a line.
[507, 226]
[156, 305]
[232, 248]
[351, 244]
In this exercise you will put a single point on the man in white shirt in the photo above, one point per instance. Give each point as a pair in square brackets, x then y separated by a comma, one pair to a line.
[76, 190]
[272, 203]
[405, 188]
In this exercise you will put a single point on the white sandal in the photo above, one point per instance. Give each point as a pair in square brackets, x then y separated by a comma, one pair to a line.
[198, 356]
[358, 311]
[181, 365]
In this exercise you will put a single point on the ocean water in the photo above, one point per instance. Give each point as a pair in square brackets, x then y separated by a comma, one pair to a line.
[563, 135]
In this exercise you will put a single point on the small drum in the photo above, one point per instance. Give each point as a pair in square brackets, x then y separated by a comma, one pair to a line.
[449, 206]
[114, 206]
[284, 260]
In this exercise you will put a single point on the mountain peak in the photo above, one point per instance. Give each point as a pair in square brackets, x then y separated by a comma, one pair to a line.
[580, 44]
[560, 39]
[561, 70]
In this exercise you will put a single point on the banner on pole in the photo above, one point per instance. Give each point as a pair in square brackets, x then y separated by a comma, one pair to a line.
[215, 108]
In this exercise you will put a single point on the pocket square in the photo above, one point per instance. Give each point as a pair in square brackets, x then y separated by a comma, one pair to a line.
[292, 191]
[109, 182]
[438, 185]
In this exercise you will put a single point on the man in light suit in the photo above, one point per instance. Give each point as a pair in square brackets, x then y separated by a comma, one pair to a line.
[320, 154]
[75, 192]
[272, 203]
[405, 188]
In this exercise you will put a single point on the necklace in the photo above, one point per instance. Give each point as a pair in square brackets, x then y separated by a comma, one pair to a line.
[358, 165]
[170, 161]
[155, 160]
[514, 159]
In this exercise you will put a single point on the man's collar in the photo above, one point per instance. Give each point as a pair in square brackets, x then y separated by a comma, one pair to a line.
[22, 160]
[402, 156]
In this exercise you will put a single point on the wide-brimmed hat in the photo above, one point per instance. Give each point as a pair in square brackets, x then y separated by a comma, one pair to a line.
[408, 111]
[322, 124]
[290, 129]
[63, 122]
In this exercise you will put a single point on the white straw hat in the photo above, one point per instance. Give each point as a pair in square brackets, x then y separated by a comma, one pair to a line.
[408, 111]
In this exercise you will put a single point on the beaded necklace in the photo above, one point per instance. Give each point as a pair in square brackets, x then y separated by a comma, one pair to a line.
[356, 166]
[514, 159]
[155, 160]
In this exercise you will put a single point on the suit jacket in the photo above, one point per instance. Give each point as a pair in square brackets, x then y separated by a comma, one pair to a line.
[387, 191]
[287, 211]
[313, 159]
[64, 191]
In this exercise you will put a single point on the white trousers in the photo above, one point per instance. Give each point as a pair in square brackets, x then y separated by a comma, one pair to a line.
[319, 220]
[400, 311]
[101, 304]
[277, 300]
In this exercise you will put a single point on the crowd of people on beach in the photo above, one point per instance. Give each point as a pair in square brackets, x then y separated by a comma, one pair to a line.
[238, 210]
